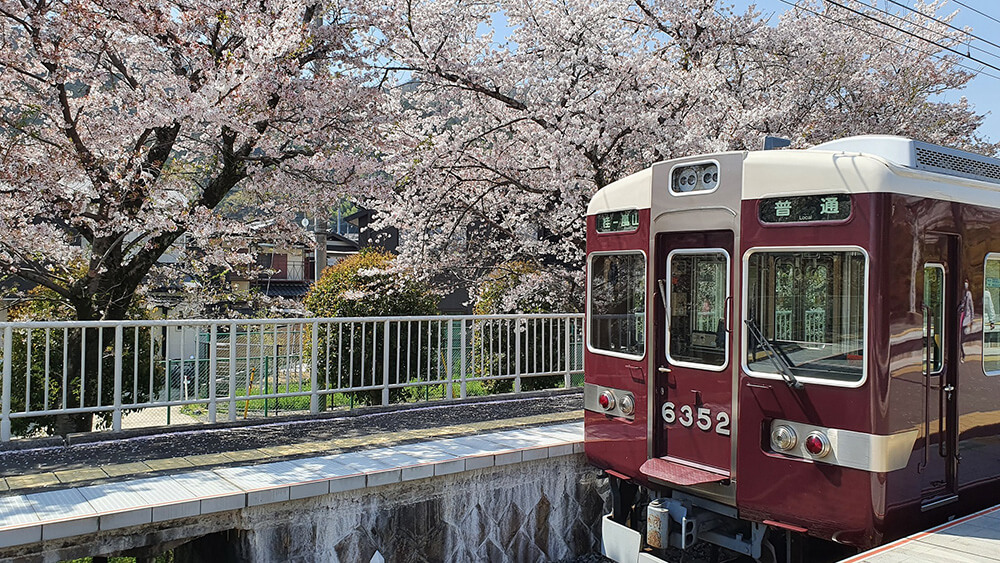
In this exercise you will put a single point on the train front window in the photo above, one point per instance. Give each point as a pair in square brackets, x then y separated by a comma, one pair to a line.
[618, 303]
[806, 314]
[699, 289]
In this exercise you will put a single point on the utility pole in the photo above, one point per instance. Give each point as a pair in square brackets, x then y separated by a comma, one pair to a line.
[319, 230]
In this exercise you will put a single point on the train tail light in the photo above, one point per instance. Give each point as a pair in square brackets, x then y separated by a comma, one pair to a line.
[817, 444]
[606, 400]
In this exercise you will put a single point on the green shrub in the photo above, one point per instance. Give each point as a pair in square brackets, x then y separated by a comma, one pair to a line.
[502, 292]
[367, 285]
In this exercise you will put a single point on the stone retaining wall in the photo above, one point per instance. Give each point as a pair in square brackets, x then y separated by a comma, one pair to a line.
[544, 510]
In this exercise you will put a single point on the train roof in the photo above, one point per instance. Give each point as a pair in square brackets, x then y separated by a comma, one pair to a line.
[862, 164]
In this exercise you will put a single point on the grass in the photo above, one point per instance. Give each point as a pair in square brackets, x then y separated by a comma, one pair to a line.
[412, 394]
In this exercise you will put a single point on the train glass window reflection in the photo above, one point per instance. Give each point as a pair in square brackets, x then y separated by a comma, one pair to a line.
[806, 314]
[991, 323]
[933, 326]
[618, 303]
[698, 290]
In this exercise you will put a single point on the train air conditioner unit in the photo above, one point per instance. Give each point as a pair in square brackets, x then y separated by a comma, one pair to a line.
[920, 156]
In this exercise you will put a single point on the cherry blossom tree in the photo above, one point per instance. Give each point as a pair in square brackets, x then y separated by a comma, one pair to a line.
[505, 136]
[128, 126]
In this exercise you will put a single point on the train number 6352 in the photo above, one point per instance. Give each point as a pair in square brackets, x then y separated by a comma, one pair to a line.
[702, 418]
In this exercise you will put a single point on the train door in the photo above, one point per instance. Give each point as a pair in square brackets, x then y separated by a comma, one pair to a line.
[941, 352]
[693, 381]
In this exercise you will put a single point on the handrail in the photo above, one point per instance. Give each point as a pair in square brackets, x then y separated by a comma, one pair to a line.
[273, 321]
[205, 370]
[943, 447]
[926, 373]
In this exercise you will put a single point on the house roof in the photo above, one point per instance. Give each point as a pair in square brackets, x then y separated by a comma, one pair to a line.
[286, 289]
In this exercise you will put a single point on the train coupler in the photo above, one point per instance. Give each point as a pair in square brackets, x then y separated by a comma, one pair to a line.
[682, 521]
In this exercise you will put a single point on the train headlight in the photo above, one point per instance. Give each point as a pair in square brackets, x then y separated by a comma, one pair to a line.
[627, 405]
[708, 178]
[606, 400]
[687, 178]
[817, 444]
[783, 438]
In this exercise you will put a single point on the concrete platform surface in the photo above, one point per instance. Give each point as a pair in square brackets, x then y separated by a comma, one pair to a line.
[188, 491]
[971, 539]
[108, 457]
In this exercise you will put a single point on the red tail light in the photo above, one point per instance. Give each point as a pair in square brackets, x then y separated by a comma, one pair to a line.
[817, 444]
[606, 400]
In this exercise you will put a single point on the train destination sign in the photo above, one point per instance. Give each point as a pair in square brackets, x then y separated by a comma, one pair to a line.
[618, 221]
[802, 209]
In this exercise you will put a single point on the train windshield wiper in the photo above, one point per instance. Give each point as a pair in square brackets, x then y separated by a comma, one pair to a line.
[777, 359]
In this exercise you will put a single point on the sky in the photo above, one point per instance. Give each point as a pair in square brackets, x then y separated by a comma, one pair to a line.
[982, 90]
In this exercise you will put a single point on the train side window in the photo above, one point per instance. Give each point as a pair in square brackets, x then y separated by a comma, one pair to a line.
[806, 314]
[697, 301]
[991, 323]
[617, 304]
[933, 329]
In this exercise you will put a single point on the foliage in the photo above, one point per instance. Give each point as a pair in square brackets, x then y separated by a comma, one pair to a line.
[503, 138]
[521, 287]
[368, 285]
[517, 287]
[126, 125]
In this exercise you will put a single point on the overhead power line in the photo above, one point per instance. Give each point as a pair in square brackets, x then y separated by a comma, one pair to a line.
[910, 33]
[976, 11]
[973, 36]
[901, 44]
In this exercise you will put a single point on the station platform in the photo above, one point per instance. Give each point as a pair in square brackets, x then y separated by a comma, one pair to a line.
[971, 539]
[74, 511]
[85, 487]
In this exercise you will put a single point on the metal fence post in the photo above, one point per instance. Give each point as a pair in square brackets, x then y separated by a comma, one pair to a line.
[8, 351]
[385, 362]
[569, 378]
[232, 371]
[449, 360]
[517, 355]
[461, 389]
[213, 365]
[314, 370]
[116, 416]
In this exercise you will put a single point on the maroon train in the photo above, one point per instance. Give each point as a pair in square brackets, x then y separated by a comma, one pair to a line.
[794, 344]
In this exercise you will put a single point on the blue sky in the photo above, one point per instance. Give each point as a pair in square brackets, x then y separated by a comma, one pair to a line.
[982, 91]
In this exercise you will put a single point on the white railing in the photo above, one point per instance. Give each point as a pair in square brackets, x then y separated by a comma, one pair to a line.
[815, 325]
[59, 377]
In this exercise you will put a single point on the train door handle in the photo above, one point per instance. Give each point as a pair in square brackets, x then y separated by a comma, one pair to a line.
[948, 389]
[663, 369]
